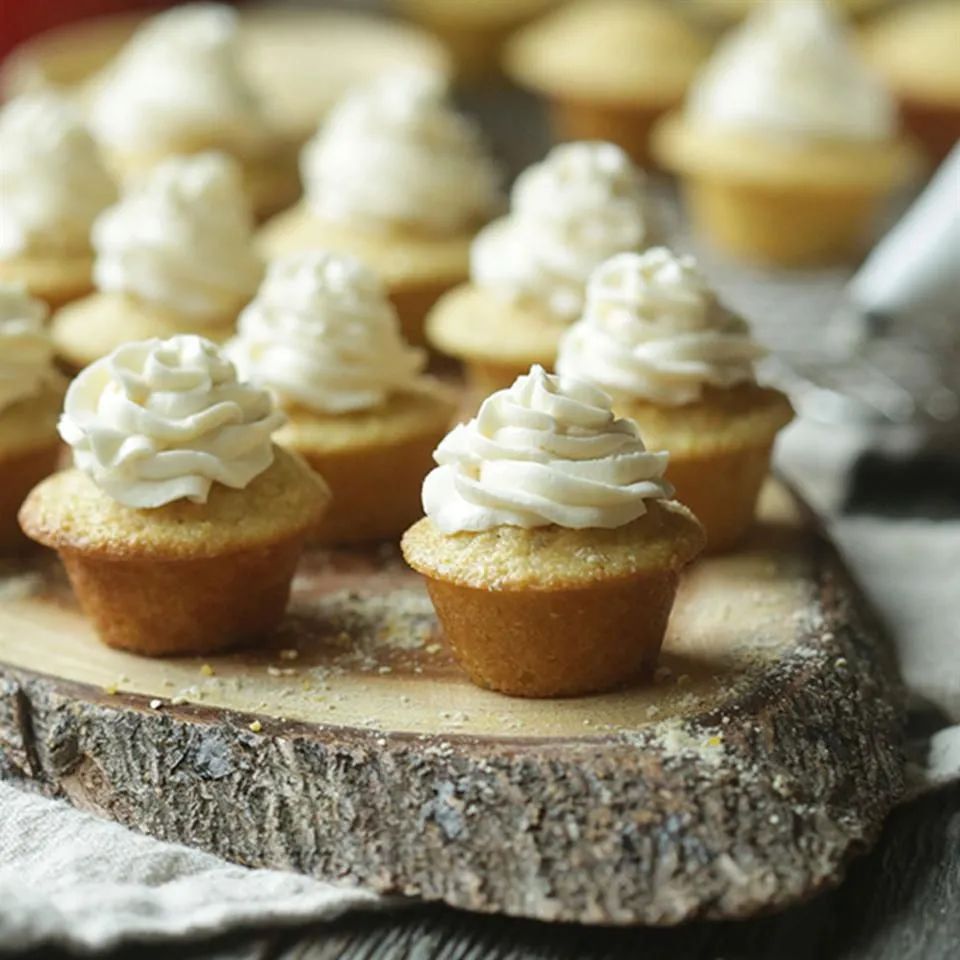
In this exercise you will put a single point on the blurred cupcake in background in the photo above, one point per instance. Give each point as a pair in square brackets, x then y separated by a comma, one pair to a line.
[322, 335]
[729, 11]
[473, 32]
[177, 88]
[583, 203]
[175, 255]
[787, 144]
[31, 392]
[400, 180]
[676, 361]
[608, 68]
[53, 185]
[916, 49]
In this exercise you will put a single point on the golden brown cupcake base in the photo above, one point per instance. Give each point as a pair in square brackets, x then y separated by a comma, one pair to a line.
[95, 326]
[158, 608]
[374, 461]
[184, 578]
[552, 612]
[55, 280]
[20, 471]
[936, 127]
[556, 643]
[720, 451]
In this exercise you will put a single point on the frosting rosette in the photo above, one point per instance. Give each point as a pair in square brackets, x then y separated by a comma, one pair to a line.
[396, 154]
[547, 450]
[26, 353]
[53, 181]
[182, 238]
[178, 85]
[322, 333]
[579, 206]
[163, 420]
[654, 330]
[790, 70]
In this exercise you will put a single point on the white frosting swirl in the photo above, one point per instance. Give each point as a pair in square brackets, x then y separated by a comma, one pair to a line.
[396, 154]
[53, 181]
[182, 238]
[178, 85]
[321, 332]
[163, 420]
[789, 70]
[26, 352]
[548, 450]
[582, 204]
[654, 330]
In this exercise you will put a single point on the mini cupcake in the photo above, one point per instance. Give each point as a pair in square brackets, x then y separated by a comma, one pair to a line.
[177, 88]
[31, 392]
[181, 525]
[473, 32]
[916, 49]
[176, 255]
[608, 68]
[322, 335]
[53, 184]
[399, 180]
[787, 144]
[682, 366]
[550, 547]
[582, 204]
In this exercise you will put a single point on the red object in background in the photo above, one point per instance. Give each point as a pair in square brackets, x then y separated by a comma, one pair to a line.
[21, 19]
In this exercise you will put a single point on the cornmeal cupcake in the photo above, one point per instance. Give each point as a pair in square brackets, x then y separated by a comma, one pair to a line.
[550, 547]
[177, 88]
[787, 144]
[473, 32]
[181, 525]
[609, 68]
[53, 184]
[582, 204]
[31, 392]
[322, 335]
[399, 180]
[673, 359]
[916, 49]
[176, 255]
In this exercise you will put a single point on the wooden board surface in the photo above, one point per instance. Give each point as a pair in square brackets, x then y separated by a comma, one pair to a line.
[765, 755]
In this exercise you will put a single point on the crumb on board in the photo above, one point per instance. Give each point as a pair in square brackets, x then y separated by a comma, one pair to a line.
[256, 726]
[207, 670]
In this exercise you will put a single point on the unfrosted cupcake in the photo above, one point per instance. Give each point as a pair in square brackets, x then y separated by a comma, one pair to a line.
[681, 365]
[175, 255]
[608, 68]
[53, 184]
[398, 179]
[551, 548]
[916, 49]
[579, 206]
[31, 392]
[322, 335]
[177, 88]
[181, 525]
[787, 144]
[473, 32]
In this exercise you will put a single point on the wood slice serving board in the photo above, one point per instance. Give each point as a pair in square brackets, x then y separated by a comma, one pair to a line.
[766, 753]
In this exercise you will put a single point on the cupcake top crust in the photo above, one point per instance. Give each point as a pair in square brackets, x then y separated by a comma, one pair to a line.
[26, 352]
[163, 420]
[178, 86]
[654, 330]
[53, 182]
[395, 155]
[579, 206]
[546, 451]
[182, 239]
[790, 72]
[322, 334]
